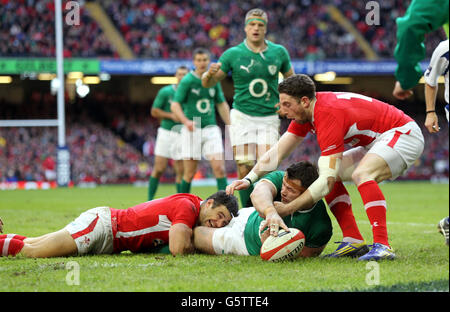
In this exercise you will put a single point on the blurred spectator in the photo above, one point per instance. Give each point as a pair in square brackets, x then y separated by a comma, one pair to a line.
[171, 29]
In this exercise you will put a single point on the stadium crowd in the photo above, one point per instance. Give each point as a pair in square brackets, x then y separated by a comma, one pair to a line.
[106, 149]
[305, 27]
[27, 28]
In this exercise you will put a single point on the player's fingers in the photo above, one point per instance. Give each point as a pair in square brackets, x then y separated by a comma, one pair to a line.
[274, 227]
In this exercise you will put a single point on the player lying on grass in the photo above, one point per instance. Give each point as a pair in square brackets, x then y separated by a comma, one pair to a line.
[105, 230]
[243, 235]
[385, 141]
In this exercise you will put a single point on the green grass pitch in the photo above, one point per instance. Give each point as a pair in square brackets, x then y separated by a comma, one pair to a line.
[413, 212]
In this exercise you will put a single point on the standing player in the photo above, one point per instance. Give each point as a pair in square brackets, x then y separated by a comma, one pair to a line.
[421, 17]
[385, 141]
[255, 65]
[438, 66]
[168, 139]
[142, 228]
[195, 106]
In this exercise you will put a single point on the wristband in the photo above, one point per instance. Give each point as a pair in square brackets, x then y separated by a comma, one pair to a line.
[431, 111]
[251, 177]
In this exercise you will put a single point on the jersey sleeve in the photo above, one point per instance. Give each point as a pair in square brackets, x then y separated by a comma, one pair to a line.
[160, 99]
[275, 178]
[184, 212]
[286, 63]
[330, 135]
[438, 64]
[300, 130]
[182, 91]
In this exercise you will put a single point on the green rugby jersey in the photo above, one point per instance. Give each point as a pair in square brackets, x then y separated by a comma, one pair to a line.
[255, 76]
[162, 101]
[198, 101]
[314, 223]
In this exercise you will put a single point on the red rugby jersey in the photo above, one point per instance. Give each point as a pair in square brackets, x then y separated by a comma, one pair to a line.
[147, 225]
[348, 118]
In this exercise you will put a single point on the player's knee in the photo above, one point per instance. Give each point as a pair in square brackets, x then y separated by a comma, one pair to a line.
[361, 175]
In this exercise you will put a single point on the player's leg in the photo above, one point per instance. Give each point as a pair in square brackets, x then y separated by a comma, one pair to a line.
[213, 151]
[218, 168]
[203, 239]
[245, 158]
[340, 205]
[308, 252]
[179, 170]
[190, 168]
[159, 167]
[55, 244]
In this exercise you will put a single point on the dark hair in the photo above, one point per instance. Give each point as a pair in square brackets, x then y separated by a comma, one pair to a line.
[183, 67]
[229, 201]
[304, 171]
[200, 51]
[298, 86]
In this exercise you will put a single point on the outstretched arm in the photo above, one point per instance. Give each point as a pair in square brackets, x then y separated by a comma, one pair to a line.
[262, 199]
[180, 241]
[268, 162]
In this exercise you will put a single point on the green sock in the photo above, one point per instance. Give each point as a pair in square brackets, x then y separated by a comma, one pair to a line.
[185, 187]
[221, 183]
[152, 187]
[244, 195]
[178, 185]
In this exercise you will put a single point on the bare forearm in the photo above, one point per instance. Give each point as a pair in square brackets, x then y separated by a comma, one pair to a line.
[178, 112]
[430, 97]
[224, 111]
[160, 114]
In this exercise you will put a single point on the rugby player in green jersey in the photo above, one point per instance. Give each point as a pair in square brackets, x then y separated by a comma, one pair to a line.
[195, 106]
[242, 236]
[168, 139]
[255, 65]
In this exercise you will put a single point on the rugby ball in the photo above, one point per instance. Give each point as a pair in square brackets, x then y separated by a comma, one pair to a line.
[285, 246]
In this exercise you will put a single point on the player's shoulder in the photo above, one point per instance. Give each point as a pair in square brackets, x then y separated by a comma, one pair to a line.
[275, 46]
[442, 49]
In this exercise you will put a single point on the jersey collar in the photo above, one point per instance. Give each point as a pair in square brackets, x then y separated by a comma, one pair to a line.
[261, 52]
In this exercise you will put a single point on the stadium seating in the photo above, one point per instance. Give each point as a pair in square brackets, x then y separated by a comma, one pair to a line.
[178, 26]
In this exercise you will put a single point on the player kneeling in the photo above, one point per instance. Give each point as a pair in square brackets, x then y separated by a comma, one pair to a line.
[243, 235]
[141, 228]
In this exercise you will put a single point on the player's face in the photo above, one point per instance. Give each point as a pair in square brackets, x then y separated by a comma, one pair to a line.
[291, 108]
[180, 74]
[255, 30]
[201, 62]
[291, 189]
[216, 217]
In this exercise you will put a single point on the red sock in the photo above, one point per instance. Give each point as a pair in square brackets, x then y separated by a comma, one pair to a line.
[341, 206]
[375, 205]
[15, 236]
[10, 247]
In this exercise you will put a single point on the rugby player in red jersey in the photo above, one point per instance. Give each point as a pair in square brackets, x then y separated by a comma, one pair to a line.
[105, 230]
[385, 143]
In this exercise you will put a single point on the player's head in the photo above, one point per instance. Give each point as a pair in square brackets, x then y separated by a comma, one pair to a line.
[218, 209]
[298, 177]
[201, 59]
[181, 72]
[255, 25]
[297, 94]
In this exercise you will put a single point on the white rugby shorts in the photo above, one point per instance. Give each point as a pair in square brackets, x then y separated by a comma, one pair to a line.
[168, 144]
[230, 239]
[201, 142]
[92, 231]
[399, 147]
[246, 129]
